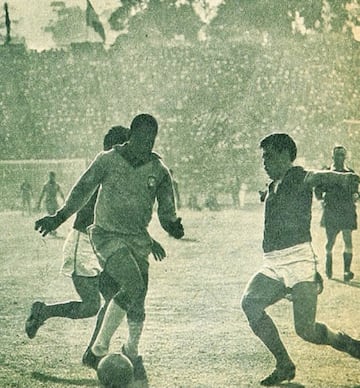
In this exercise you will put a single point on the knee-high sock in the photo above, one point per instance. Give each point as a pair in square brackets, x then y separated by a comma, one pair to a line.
[113, 316]
[135, 330]
[72, 310]
[347, 261]
[99, 321]
[329, 264]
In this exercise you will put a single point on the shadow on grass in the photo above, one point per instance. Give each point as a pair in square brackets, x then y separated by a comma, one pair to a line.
[291, 385]
[139, 384]
[189, 239]
[46, 378]
[352, 283]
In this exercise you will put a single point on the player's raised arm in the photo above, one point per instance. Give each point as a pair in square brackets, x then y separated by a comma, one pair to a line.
[77, 198]
[349, 180]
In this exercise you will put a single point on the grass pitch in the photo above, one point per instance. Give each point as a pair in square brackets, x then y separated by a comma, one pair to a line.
[195, 334]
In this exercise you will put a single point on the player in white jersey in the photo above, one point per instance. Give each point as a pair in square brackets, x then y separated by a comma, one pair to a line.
[131, 178]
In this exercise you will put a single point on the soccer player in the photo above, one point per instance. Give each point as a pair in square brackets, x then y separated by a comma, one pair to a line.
[339, 215]
[289, 261]
[80, 262]
[26, 196]
[131, 178]
[50, 191]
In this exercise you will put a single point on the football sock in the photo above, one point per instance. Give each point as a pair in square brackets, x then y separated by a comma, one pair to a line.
[99, 320]
[135, 330]
[72, 310]
[337, 340]
[347, 261]
[328, 265]
[113, 316]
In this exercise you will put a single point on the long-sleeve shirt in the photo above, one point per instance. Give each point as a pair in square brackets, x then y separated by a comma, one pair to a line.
[127, 194]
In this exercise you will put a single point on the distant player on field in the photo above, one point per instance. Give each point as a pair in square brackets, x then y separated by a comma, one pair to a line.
[339, 215]
[289, 262]
[131, 178]
[26, 196]
[50, 191]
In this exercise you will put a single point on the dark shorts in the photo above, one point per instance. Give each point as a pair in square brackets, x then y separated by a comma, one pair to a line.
[124, 260]
[339, 219]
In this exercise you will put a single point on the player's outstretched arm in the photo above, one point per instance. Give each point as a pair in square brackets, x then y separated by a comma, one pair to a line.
[158, 251]
[348, 180]
[48, 224]
[77, 198]
[174, 228]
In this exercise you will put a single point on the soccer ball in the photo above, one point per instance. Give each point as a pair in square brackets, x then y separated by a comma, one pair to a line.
[115, 371]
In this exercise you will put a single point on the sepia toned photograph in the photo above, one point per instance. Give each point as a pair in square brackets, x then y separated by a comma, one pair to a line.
[179, 193]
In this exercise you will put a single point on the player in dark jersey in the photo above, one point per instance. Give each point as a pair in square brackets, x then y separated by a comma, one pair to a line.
[339, 215]
[131, 178]
[289, 262]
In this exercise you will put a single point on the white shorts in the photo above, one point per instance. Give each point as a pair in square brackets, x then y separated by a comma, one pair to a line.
[291, 265]
[79, 257]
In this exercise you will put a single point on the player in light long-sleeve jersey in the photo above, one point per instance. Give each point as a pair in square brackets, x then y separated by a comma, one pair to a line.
[131, 178]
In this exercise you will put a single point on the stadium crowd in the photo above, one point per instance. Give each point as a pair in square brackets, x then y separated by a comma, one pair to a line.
[213, 102]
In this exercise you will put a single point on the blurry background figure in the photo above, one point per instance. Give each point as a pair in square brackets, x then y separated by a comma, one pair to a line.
[339, 214]
[235, 187]
[211, 202]
[176, 190]
[26, 196]
[50, 191]
[242, 195]
[193, 202]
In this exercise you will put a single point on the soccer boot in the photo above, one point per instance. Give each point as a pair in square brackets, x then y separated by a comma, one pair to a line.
[137, 362]
[89, 359]
[348, 276]
[279, 375]
[348, 345]
[35, 319]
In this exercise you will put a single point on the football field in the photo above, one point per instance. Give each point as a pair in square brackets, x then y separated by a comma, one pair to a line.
[195, 334]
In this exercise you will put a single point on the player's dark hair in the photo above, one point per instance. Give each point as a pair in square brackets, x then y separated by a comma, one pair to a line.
[280, 142]
[144, 122]
[116, 135]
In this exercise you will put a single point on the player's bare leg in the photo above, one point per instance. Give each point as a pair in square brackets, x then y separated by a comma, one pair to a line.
[304, 297]
[261, 293]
